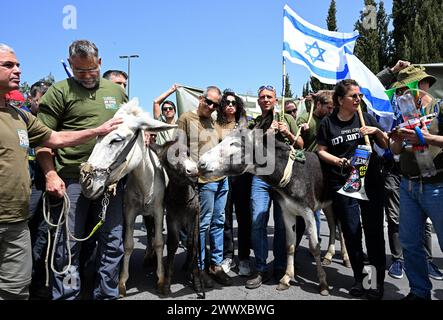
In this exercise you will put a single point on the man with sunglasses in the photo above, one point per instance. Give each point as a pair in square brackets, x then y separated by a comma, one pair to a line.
[291, 108]
[165, 110]
[198, 128]
[82, 101]
[261, 197]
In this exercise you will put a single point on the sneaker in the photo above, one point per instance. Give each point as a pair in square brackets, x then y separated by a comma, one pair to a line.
[244, 268]
[433, 271]
[412, 296]
[228, 264]
[357, 289]
[396, 269]
[220, 275]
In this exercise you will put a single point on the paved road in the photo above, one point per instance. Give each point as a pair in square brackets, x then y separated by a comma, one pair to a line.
[141, 285]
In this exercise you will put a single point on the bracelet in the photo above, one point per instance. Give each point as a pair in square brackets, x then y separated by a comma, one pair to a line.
[420, 136]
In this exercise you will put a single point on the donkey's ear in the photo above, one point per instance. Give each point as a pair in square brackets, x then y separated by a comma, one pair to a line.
[145, 122]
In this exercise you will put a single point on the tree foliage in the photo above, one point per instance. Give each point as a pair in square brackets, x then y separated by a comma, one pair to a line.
[288, 91]
[417, 35]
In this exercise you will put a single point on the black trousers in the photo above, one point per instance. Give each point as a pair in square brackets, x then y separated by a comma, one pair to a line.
[238, 202]
[352, 214]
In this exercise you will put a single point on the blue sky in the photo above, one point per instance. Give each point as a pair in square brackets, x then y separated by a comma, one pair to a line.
[228, 43]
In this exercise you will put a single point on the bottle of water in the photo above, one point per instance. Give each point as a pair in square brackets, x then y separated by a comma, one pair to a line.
[409, 111]
[425, 161]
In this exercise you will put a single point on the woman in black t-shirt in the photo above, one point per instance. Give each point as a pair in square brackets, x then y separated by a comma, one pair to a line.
[338, 137]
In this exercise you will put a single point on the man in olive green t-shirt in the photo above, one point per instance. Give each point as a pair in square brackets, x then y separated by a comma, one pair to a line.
[83, 101]
[18, 131]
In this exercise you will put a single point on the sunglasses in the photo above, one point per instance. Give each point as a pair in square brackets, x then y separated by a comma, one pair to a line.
[292, 111]
[356, 95]
[266, 87]
[167, 108]
[229, 102]
[211, 103]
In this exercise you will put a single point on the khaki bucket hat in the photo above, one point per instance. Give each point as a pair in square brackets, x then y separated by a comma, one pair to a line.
[411, 74]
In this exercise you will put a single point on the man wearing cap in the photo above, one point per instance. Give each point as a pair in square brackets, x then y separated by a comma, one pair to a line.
[420, 197]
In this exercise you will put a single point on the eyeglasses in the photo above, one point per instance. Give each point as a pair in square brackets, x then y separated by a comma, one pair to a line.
[84, 71]
[356, 95]
[167, 108]
[229, 102]
[266, 87]
[211, 103]
[291, 111]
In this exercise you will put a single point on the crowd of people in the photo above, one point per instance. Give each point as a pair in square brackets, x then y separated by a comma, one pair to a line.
[63, 118]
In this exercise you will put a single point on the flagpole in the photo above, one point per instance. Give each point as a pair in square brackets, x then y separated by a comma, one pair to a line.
[283, 88]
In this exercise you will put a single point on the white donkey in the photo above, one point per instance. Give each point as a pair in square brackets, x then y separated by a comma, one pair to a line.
[300, 187]
[121, 152]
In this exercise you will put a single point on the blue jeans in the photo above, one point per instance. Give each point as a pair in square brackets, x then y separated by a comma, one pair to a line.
[418, 201]
[109, 249]
[213, 197]
[261, 196]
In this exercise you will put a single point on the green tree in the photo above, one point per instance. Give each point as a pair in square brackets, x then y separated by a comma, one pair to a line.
[331, 20]
[288, 91]
[385, 48]
[306, 90]
[368, 44]
[417, 35]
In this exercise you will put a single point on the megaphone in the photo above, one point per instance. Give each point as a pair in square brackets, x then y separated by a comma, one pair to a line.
[355, 184]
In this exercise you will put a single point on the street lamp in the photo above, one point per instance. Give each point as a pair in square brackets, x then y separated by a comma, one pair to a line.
[129, 67]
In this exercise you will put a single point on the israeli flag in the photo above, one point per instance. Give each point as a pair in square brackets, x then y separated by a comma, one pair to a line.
[67, 69]
[329, 57]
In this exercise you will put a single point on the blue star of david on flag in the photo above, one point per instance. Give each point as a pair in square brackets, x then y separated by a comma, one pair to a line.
[313, 47]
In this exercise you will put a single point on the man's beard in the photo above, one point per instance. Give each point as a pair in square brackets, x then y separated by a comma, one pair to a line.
[88, 84]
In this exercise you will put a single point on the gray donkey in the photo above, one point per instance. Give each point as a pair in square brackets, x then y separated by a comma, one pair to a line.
[301, 187]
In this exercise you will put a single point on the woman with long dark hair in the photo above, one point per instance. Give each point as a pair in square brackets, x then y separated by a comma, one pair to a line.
[231, 115]
[338, 137]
